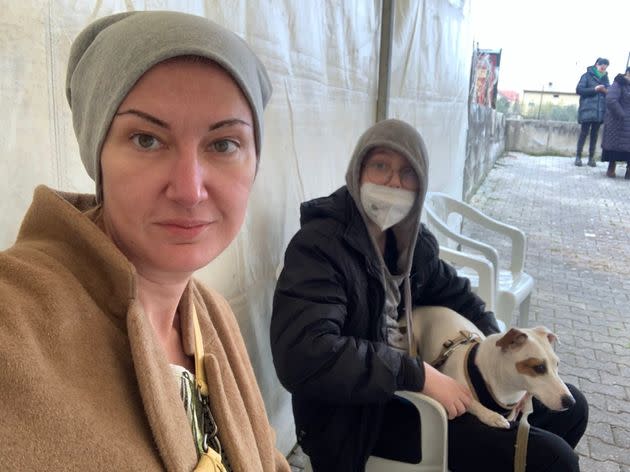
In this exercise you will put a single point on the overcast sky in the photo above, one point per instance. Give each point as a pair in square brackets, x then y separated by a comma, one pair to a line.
[552, 40]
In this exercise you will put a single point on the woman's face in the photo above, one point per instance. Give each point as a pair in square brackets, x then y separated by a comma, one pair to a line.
[178, 165]
[384, 166]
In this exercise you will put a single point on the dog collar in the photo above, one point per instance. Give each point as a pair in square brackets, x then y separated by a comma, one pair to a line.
[479, 386]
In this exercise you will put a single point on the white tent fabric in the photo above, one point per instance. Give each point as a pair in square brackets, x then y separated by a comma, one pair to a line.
[322, 57]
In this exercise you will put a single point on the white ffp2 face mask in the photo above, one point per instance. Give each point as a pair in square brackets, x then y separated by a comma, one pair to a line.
[385, 205]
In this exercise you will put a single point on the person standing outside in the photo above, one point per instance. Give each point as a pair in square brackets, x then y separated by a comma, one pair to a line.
[592, 89]
[616, 137]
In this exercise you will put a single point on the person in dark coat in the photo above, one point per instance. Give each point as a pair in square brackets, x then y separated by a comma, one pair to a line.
[360, 262]
[616, 138]
[592, 89]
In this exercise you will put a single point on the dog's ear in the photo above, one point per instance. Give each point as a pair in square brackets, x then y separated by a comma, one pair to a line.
[513, 339]
[544, 331]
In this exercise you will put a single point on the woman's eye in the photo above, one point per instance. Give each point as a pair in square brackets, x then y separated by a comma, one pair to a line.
[225, 146]
[145, 141]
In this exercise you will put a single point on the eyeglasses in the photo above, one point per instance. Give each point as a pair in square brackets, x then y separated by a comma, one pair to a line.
[381, 173]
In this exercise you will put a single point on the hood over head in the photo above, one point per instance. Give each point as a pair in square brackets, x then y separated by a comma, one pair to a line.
[404, 139]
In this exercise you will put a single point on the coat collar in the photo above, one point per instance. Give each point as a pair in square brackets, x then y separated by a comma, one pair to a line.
[63, 226]
[160, 395]
[59, 224]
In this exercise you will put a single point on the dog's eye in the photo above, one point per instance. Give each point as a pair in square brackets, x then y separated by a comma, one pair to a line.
[540, 369]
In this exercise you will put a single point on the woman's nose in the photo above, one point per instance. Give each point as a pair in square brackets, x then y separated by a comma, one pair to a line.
[394, 181]
[186, 179]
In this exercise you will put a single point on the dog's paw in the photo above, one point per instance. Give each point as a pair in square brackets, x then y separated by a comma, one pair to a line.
[495, 420]
[486, 416]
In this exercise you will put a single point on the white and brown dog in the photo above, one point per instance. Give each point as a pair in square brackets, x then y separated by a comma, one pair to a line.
[502, 370]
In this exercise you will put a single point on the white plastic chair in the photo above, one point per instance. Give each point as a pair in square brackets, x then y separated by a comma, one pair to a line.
[433, 437]
[502, 289]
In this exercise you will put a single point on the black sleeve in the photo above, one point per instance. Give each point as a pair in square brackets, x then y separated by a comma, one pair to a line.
[311, 354]
[583, 88]
[436, 283]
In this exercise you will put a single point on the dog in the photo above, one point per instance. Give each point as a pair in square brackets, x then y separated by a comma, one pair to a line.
[503, 371]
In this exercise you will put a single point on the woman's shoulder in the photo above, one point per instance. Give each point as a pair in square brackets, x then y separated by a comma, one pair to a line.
[35, 293]
[321, 231]
[327, 214]
[218, 310]
[324, 229]
[427, 246]
[24, 268]
[589, 79]
[211, 298]
[586, 76]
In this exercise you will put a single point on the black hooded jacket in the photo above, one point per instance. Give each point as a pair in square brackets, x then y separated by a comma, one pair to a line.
[592, 104]
[327, 329]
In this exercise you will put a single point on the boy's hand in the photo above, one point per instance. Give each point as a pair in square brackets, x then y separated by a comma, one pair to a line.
[455, 398]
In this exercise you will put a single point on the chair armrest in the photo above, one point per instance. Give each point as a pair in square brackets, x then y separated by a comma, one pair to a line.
[424, 403]
[487, 276]
[434, 424]
[470, 212]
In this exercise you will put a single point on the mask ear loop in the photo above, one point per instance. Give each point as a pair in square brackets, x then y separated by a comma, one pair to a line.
[210, 460]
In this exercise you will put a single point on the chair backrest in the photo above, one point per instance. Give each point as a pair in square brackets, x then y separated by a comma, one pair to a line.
[439, 207]
[512, 287]
[437, 213]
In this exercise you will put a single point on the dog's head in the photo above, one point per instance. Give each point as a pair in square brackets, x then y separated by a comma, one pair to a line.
[529, 355]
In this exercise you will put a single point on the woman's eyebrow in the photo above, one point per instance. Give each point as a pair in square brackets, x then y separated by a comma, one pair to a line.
[145, 116]
[230, 122]
[162, 124]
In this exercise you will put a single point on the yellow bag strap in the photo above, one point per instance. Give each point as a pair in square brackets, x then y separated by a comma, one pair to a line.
[200, 372]
[210, 461]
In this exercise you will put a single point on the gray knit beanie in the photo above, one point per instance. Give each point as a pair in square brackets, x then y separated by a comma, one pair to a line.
[111, 54]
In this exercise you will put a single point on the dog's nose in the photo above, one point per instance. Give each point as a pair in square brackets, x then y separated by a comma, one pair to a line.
[567, 401]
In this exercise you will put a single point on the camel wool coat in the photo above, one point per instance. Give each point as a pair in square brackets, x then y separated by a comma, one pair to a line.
[84, 383]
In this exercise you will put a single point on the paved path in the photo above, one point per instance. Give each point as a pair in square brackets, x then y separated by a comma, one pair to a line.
[577, 223]
[578, 226]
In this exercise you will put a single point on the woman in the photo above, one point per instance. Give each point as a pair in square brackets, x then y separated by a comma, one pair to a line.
[351, 275]
[592, 89]
[616, 139]
[103, 367]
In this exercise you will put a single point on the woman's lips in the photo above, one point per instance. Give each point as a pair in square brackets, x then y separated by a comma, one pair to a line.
[187, 229]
